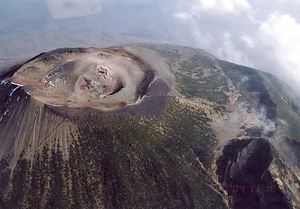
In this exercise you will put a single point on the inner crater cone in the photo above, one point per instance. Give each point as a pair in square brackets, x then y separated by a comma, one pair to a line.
[105, 79]
[98, 82]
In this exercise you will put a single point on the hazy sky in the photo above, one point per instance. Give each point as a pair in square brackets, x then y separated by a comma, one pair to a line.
[264, 34]
[261, 34]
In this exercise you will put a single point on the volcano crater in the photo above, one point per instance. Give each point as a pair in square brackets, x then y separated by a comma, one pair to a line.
[105, 79]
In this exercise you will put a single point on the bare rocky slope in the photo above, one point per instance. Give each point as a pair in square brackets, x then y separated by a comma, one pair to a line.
[146, 126]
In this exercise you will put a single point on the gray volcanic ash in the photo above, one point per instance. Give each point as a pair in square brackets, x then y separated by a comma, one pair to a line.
[103, 79]
[146, 126]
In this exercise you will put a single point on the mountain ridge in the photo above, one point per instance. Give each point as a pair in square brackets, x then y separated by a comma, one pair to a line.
[200, 121]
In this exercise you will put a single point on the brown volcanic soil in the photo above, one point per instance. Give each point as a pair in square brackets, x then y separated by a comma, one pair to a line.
[57, 149]
[105, 79]
[72, 83]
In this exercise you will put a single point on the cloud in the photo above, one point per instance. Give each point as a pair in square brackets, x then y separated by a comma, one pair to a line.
[61, 9]
[229, 52]
[208, 22]
[280, 33]
[248, 41]
[220, 6]
[260, 37]
[183, 15]
[297, 1]
[190, 9]
[201, 40]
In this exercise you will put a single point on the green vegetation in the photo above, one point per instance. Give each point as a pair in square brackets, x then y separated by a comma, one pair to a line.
[197, 61]
[271, 90]
[204, 88]
[249, 80]
[193, 82]
[242, 77]
[167, 51]
[280, 93]
[191, 79]
[120, 161]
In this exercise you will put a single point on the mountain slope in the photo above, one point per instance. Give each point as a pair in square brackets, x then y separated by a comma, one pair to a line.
[147, 126]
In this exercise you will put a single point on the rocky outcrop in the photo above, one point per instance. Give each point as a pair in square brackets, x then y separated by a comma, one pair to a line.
[144, 126]
[243, 170]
